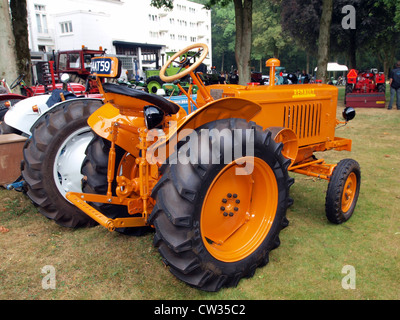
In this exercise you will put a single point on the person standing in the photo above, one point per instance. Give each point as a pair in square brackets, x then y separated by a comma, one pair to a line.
[394, 81]
[222, 79]
[305, 78]
[234, 78]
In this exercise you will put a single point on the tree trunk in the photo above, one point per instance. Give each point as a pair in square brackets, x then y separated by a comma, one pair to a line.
[243, 17]
[352, 50]
[386, 56]
[20, 29]
[8, 69]
[276, 52]
[323, 40]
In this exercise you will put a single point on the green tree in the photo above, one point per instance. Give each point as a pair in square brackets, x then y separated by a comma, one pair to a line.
[223, 35]
[299, 19]
[243, 38]
[350, 41]
[385, 40]
[268, 37]
[243, 23]
[169, 4]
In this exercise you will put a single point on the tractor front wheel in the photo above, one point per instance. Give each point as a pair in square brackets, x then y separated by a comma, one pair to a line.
[217, 221]
[343, 191]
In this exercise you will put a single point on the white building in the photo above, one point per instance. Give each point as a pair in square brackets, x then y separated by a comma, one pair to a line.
[130, 29]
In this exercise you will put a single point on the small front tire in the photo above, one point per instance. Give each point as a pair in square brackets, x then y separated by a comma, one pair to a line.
[343, 191]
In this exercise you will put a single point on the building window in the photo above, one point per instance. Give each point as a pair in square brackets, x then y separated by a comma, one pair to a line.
[153, 34]
[66, 27]
[122, 50]
[41, 18]
[153, 17]
[182, 23]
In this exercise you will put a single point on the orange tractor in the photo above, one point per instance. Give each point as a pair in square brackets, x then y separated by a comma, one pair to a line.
[214, 181]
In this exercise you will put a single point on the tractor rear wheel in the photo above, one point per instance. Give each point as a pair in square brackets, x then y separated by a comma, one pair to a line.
[53, 158]
[94, 170]
[215, 224]
[343, 191]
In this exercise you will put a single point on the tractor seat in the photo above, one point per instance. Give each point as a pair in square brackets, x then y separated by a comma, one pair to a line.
[167, 106]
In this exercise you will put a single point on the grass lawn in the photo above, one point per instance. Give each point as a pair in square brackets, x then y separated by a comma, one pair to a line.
[96, 264]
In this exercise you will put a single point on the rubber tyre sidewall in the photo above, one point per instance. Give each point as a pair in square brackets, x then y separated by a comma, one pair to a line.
[267, 244]
[333, 201]
[213, 272]
[48, 135]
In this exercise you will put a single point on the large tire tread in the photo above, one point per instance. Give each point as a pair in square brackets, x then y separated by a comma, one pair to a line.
[178, 236]
[333, 200]
[48, 133]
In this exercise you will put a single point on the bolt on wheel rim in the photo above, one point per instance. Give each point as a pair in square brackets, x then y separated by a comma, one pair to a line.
[68, 161]
[239, 210]
[349, 192]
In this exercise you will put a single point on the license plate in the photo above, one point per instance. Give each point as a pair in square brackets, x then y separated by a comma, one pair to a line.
[108, 67]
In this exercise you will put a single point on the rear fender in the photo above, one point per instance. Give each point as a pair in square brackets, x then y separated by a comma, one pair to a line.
[43, 109]
[101, 122]
[225, 108]
[21, 116]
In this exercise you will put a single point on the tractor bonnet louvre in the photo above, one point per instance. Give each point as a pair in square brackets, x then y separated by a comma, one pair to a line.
[303, 119]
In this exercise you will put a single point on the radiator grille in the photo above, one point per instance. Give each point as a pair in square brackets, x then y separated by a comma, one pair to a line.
[303, 119]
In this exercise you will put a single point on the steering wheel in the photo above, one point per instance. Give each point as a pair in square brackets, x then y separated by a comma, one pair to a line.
[203, 49]
[17, 81]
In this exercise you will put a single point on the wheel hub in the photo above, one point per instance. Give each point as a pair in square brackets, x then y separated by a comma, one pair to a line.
[230, 205]
[237, 212]
[68, 161]
[349, 192]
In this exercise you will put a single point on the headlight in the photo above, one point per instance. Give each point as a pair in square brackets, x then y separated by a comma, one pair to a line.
[348, 113]
[153, 116]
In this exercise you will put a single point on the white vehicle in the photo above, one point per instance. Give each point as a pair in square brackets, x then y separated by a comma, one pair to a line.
[22, 115]
[58, 136]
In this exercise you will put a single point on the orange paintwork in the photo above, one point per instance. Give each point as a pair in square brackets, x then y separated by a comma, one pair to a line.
[302, 117]
[308, 110]
[236, 231]
[349, 192]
